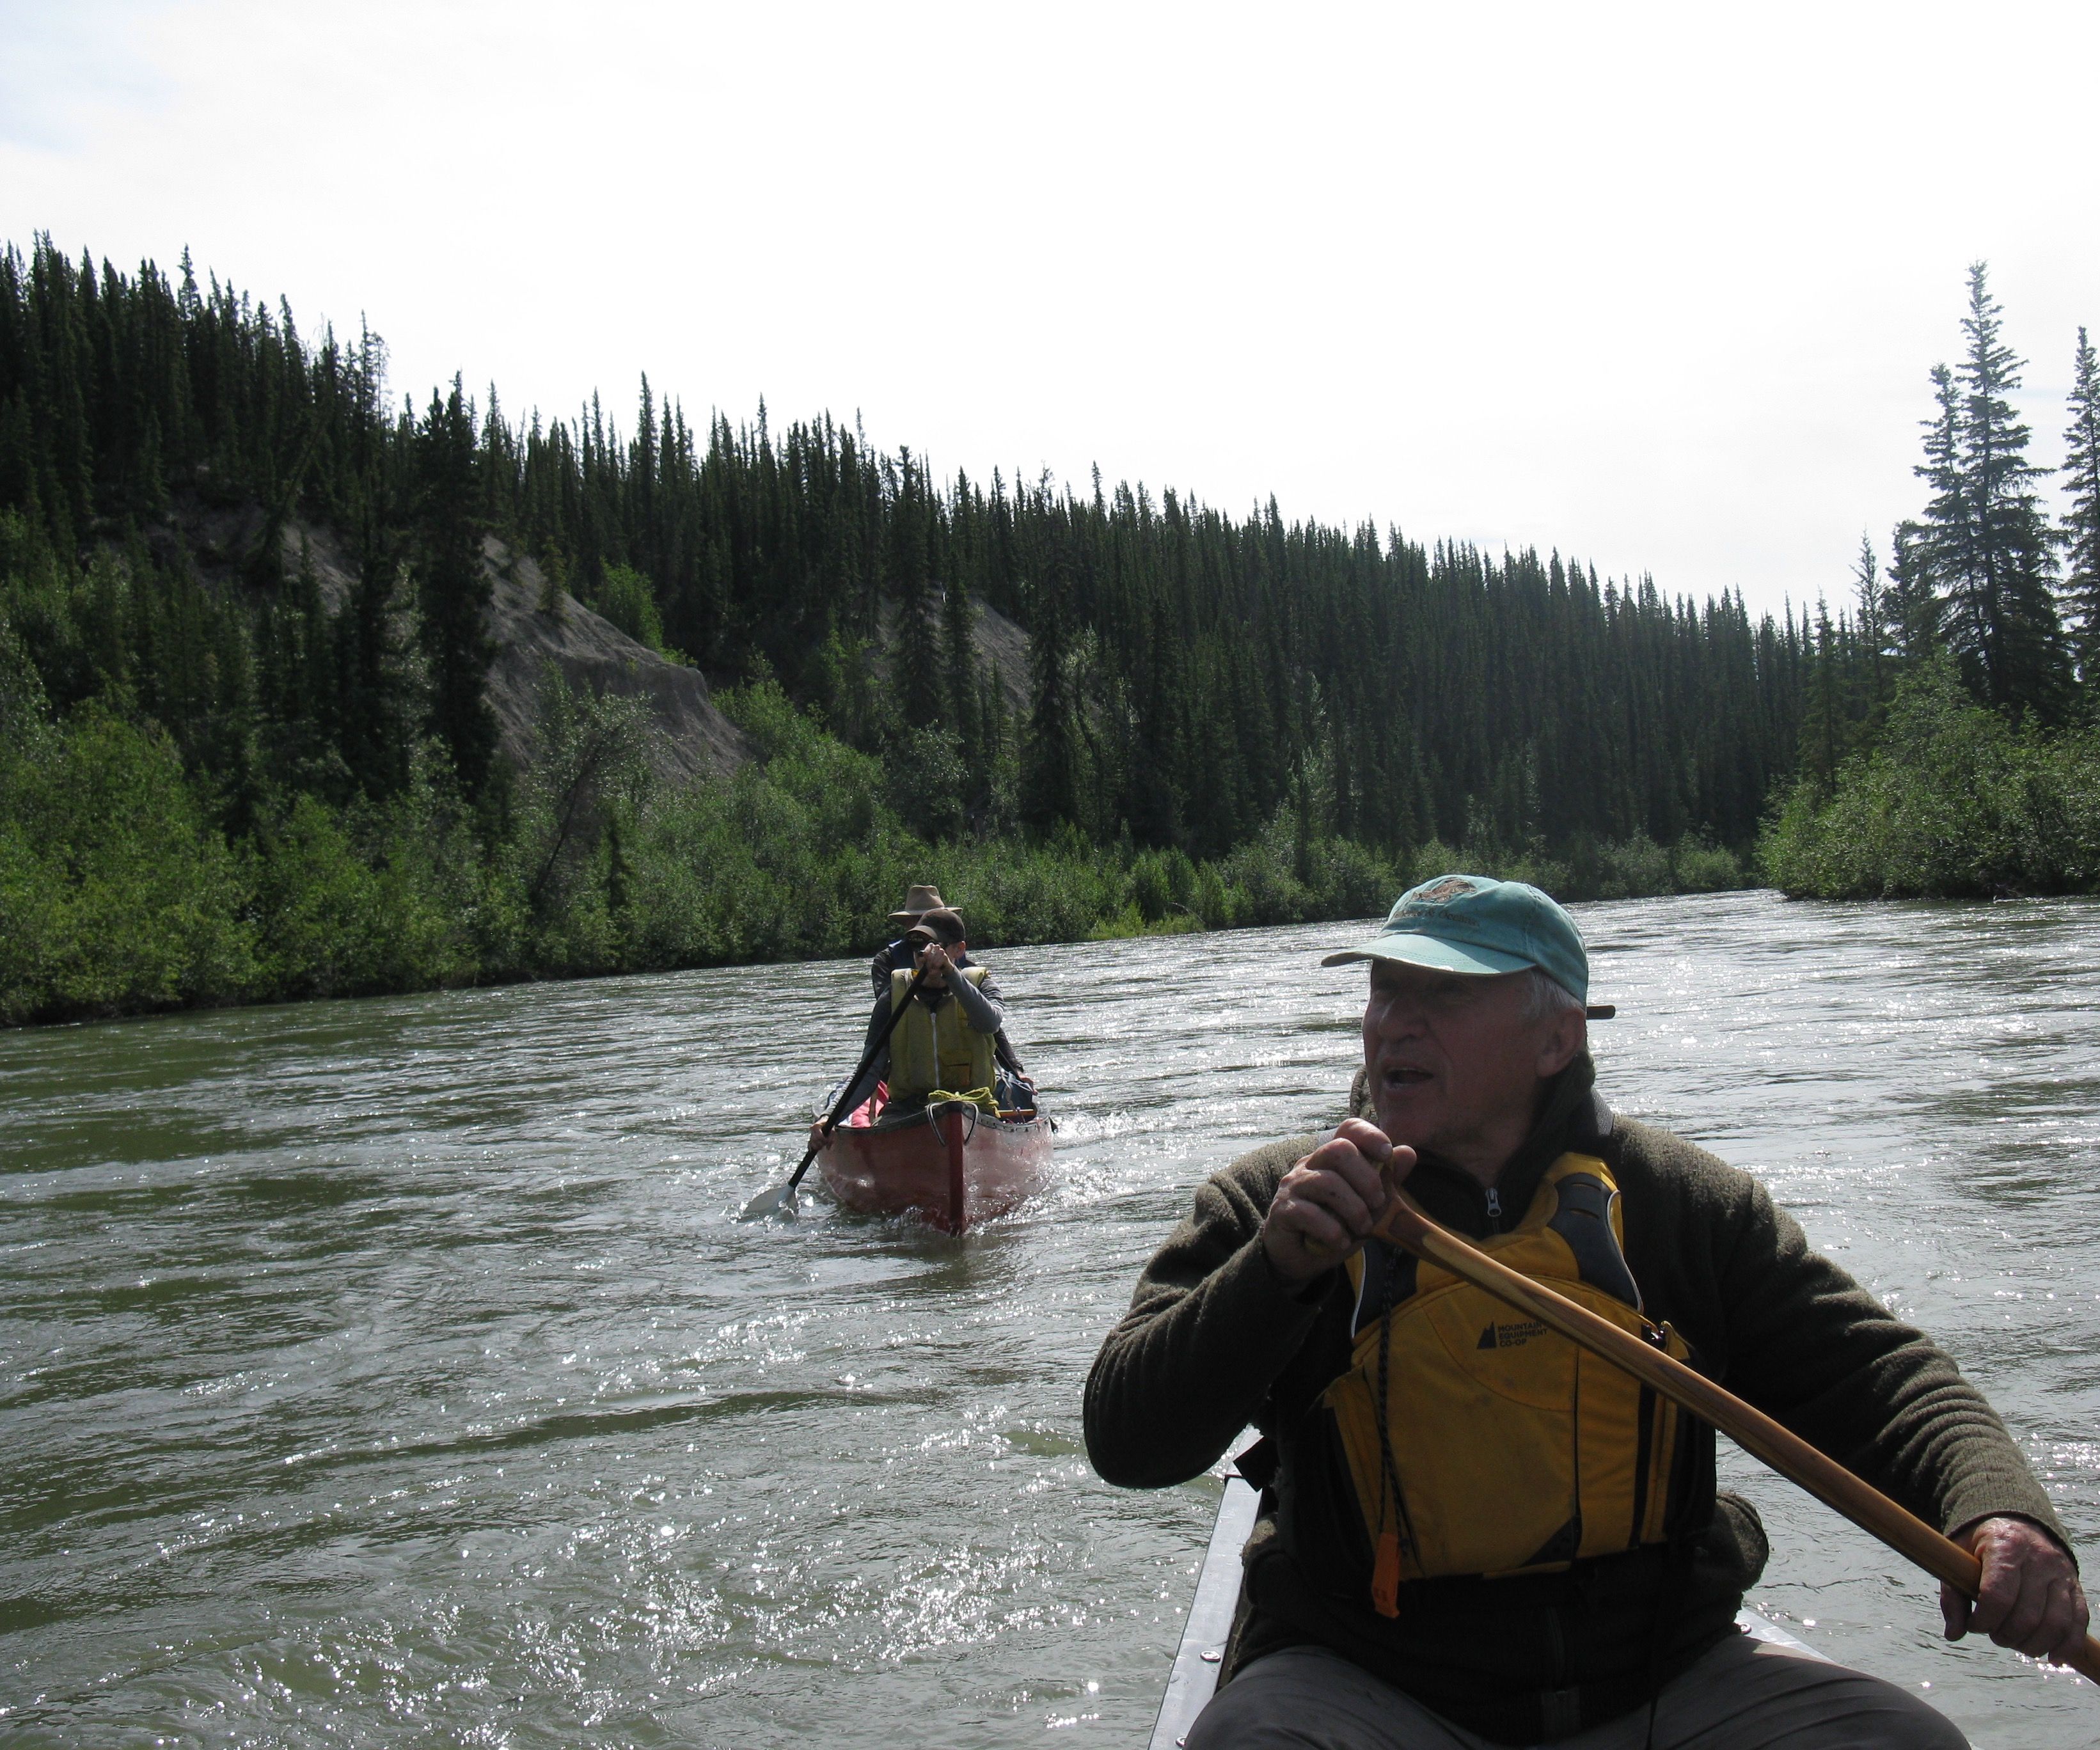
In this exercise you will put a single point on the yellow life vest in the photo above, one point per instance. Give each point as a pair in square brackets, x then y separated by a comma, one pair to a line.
[937, 1047]
[1480, 1441]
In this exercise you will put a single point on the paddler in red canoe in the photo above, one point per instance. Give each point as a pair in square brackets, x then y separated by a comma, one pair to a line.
[894, 957]
[947, 1042]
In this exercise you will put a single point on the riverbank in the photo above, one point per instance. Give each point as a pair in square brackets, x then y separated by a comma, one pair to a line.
[119, 894]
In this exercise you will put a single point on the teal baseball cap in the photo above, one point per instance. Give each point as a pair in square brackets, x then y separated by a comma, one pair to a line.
[1469, 924]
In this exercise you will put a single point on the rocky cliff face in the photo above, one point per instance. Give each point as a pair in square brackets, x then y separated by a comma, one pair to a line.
[999, 640]
[593, 656]
[998, 643]
[588, 652]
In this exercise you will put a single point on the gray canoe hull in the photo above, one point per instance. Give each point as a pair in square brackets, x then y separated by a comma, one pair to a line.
[1195, 1674]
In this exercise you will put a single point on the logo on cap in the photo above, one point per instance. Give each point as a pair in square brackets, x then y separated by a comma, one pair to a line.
[1439, 893]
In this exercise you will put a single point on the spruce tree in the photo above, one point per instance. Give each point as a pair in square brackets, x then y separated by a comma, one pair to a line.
[1868, 592]
[1990, 547]
[958, 662]
[2081, 525]
[1051, 766]
[376, 714]
[454, 590]
[1912, 608]
[1822, 735]
[916, 666]
[1943, 546]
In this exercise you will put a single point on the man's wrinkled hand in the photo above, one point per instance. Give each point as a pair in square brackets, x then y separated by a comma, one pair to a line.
[2030, 1599]
[1328, 1202]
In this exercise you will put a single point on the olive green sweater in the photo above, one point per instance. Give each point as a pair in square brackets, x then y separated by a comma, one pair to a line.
[1215, 1339]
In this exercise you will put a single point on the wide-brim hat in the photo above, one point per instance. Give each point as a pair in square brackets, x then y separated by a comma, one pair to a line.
[1474, 925]
[918, 901]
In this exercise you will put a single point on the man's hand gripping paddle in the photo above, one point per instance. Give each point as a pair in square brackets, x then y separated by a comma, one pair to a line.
[1402, 1223]
[780, 1201]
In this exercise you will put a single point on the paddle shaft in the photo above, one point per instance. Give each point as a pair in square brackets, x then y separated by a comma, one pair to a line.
[853, 1081]
[1404, 1224]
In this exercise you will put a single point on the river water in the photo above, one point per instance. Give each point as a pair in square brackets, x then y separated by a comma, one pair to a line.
[395, 1372]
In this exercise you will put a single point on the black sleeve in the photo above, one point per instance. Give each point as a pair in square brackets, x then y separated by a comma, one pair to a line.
[1210, 1328]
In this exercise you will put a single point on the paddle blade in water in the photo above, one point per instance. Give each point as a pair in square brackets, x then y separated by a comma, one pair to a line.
[775, 1200]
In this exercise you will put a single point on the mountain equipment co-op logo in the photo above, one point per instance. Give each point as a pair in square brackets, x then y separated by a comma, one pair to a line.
[1510, 1336]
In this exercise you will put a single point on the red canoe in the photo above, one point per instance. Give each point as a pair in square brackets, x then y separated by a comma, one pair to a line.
[952, 1165]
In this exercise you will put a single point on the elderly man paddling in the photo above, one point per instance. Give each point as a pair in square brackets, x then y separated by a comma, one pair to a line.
[1475, 1534]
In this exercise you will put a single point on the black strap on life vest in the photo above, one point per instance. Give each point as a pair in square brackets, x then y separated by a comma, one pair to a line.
[1389, 1276]
[1584, 1220]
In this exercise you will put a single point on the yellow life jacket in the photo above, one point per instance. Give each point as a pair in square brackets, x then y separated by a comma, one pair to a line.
[1480, 1441]
[937, 1047]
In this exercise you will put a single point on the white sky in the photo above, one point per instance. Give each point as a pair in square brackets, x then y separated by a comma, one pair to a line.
[1658, 285]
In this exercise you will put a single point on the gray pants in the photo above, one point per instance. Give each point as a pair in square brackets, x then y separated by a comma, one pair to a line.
[1743, 1695]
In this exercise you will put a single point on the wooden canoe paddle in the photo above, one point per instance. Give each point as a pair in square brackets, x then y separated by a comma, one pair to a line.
[781, 1200]
[1404, 1224]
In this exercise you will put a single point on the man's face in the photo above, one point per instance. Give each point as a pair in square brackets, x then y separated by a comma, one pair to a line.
[1455, 1068]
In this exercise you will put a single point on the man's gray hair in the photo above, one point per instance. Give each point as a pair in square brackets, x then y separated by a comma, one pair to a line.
[1545, 995]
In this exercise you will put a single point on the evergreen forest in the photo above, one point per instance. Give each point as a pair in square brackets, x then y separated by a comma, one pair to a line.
[220, 782]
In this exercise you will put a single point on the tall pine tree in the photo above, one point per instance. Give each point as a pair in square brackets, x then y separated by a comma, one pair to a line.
[1988, 546]
[2081, 526]
[1912, 611]
[454, 590]
[1868, 592]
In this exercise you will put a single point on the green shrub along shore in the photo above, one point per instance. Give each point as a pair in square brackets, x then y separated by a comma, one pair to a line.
[120, 895]
[1949, 801]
